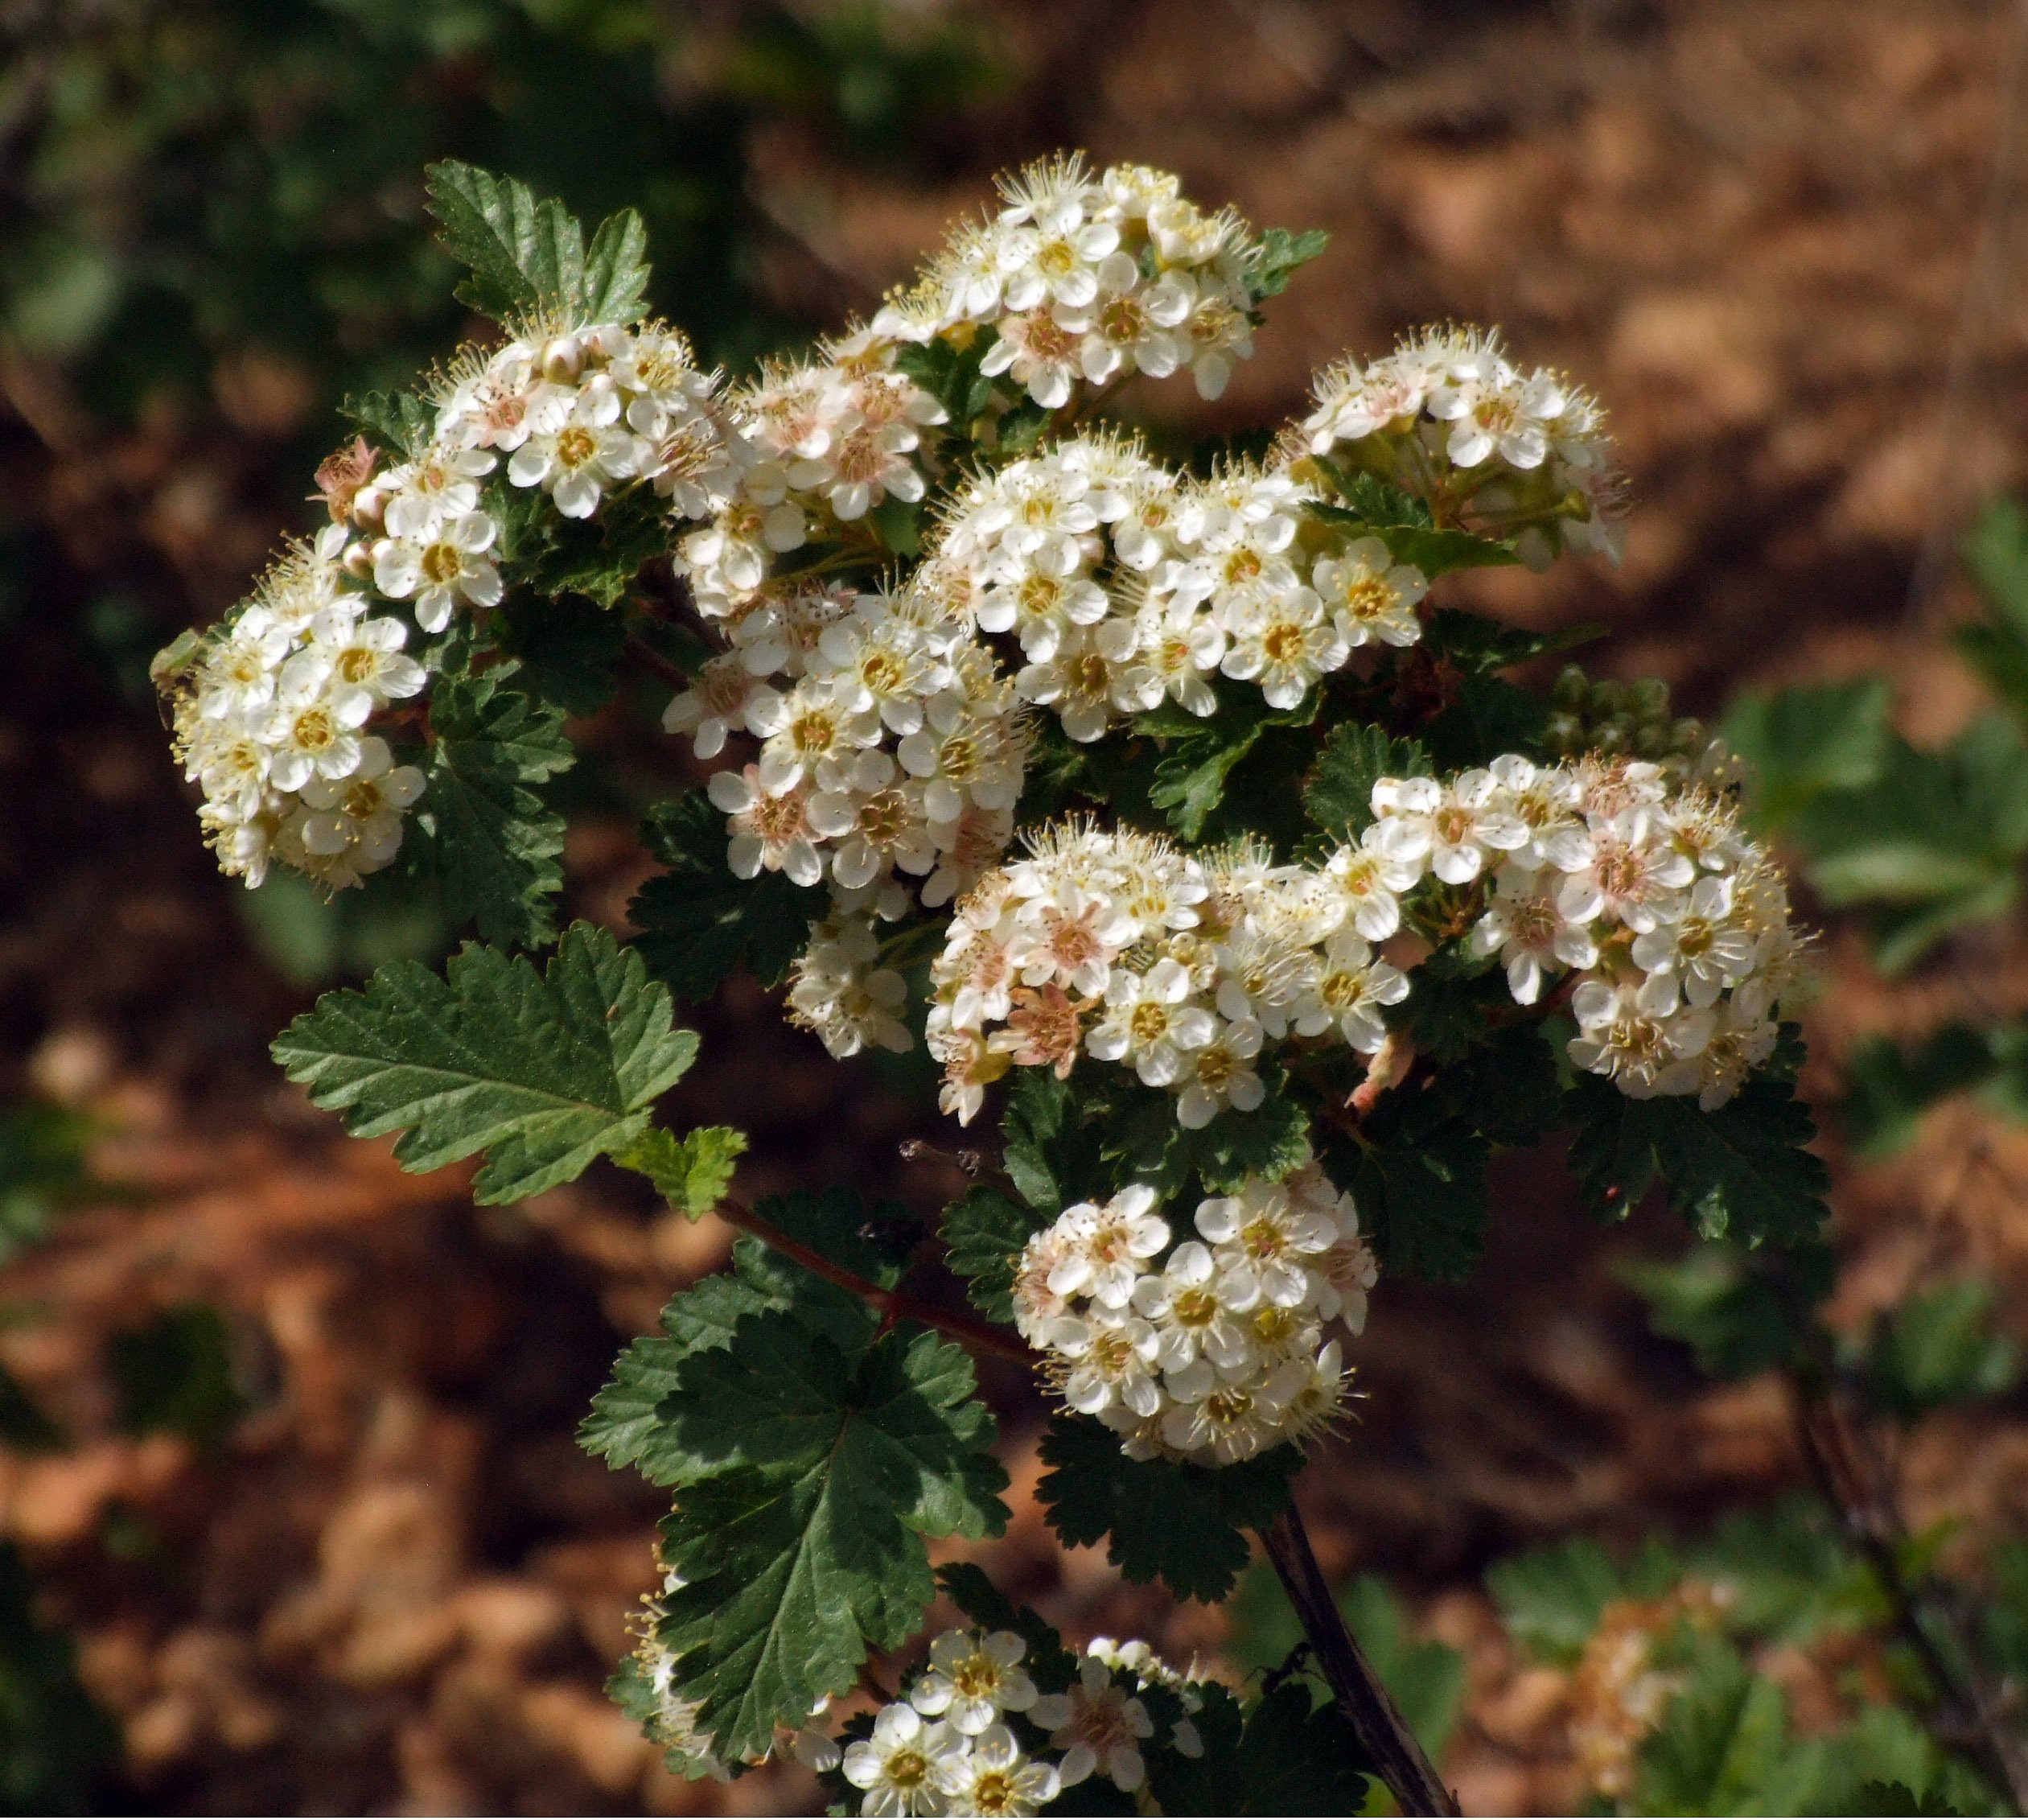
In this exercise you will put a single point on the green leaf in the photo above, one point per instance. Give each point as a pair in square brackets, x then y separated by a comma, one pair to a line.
[1189, 783]
[566, 646]
[1742, 1312]
[1800, 742]
[1720, 1740]
[875, 1242]
[1338, 794]
[1177, 1523]
[1944, 1345]
[983, 1236]
[1786, 1575]
[614, 286]
[59, 1753]
[692, 1172]
[1740, 1172]
[399, 423]
[1277, 256]
[174, 1374]
[803, 1547]
[1888, 1089]
[1997, 552]
[1420, 1185]
[1550, 1598]
[1045, 1146]
[1051, 1666]
[525, 257]
[1282, 1756]
[698, 922]
[1427, 1680]
[498, 846]
[543, 1072]
[1490, 716]
[1474, 642]
[1417, 542]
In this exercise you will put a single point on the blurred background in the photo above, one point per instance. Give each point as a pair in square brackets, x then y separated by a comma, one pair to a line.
[294, 1518]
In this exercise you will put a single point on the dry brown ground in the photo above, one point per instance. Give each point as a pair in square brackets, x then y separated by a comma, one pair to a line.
[1749, 227]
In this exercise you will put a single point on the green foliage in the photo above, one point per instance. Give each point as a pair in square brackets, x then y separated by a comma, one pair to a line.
[1474, 643]
[498, 847]
[566, 648]
[1281, 1757]
[1803, 742]
[1742, 1312]
[42, 1170]
[1045, 1149]
[1144, 1140]
[1380, 510]
[1941, 1345]
[59, 1753]
[1889, 1087]
[698, 922]
[693, 1172]
[1192, 780]
[1161, 1520]
[174, 1374]
[983, 1235]
[1338, 794]
[1739, 1172]
[543, 1072]
[1550, 1600]
[1419, 1177]
[813, 1469]
[1427, 1680]
[1279, 255]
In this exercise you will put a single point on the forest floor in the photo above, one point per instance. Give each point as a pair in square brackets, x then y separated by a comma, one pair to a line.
[395, 1584]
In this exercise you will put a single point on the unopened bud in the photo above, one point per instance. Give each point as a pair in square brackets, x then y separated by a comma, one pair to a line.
[369, 506]
[1687, 735]
[1608, 699]
[1650, 698]
[563, 358]
[357, 561]
[1565, 734]
[1573, 689]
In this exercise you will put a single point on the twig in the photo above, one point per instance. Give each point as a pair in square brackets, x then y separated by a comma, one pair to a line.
[652, 660]
[1866, 1508]
[892, 1304]
[1389, 1745]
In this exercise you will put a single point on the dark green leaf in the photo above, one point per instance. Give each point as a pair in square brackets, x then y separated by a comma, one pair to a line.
[983, 1235]
[614, 286]
[1490, 716]
[59, 1753]
[1742, 1312]
[1282, 1756]
[1049, 1664]
[397, 422]
[525, 257]
[567, 646]
[698, 922]
[1740, 1172]
[1942, 1345]
[1419, 1183]
[1047, 1148]
[1720, 1740]
[1786, 1574]
[174, 1374]
[803, 1549]
[1176, 1523]
[1550, 1598]
[1338, 794]
[1997, 552]
[1474, 642]
[543, 1072]
[498, 846]
[1416, 542]
[1888, 1089]
[1190, 780]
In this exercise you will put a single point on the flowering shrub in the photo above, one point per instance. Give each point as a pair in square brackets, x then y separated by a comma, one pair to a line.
[1165, 805]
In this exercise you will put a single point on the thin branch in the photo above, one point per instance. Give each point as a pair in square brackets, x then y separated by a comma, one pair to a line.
[1867, 1510]
[893, 1304]
[1388, 1744]
[653, 661]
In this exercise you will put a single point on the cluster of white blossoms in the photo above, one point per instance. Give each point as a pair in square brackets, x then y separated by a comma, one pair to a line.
[950, 1745]
[1114, 944]
[1211, 1348]
[1448, 415]
[1126, 584]
[270, 724]
[1674, 923]
[273, 721]
[1086, 280]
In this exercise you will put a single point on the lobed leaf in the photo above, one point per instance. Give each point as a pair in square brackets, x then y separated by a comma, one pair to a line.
[983, 1236]
[542, 1072]
[1280, 1756]
[692, 1172]
[1338, 793]
[525, 256]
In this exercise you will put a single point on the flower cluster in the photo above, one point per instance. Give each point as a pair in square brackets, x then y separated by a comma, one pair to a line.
[270, 724]
[970, 1736]
[1211, 1348]
[1673, 922]
[1084, 279]
[1115, 945]
[1124, 584]
[1448, 415]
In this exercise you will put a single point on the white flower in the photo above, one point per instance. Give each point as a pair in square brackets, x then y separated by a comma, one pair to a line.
[309, 733]
[1179, 647]
[1100, 1251]
[1454, 831]
[1108, 1351]
[1369, 884]
[1091, 677]
[1644, 1051]
[584, 451]
[365, 655]
[1041, 351]
[1220, 1074]
[1351, 987]
[769, 834]
[1262, 1229]
[725, 695]
[1148, 1023]
[358, 818]
[897, 1767]
[449, 564]
[1282, 641]
[1492, 410]
[875, 828]
[1705, 951]
[993, 1777]
[1629, 873]
[1523, 925]
[972, 1677]
[1198, 1309]
[1370, 596]
[1098, 1725]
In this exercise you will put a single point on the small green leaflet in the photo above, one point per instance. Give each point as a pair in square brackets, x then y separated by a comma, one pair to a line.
[1338, 794]
[1474, 642]
[1550, 1598]
[698, 922]
[498, 846]
[1421, 546]
[1176, 1523]
[527, 257]
[1742, 1312]
[543, 1072]
[1420, 1183]
[1278, 255]
[1190, 781]
[399, 421]
[1740, 1172]
[1798, 743]
[803, 1545]
[693, 1171]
